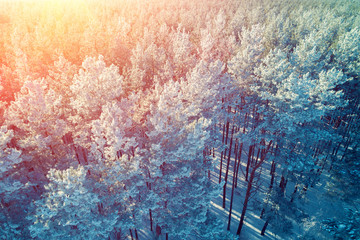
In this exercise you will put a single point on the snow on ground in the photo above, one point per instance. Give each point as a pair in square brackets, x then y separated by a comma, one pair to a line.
[317, 205]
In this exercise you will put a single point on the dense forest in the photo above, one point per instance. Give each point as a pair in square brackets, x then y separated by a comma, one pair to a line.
[179, 119]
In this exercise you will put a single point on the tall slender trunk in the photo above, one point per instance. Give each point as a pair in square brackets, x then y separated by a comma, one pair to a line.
[227, 132]
[227, 168]
[232, 191]
[249, 161]
[136, 235]
[246, 201]
[272, 173]
[238, 165]
[223, 135]
[250, 185]
[264, 227]
[151, 220]
[283, 183]
[262, 212]
[132, 238]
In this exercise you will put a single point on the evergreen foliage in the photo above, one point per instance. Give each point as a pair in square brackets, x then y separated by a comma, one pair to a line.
[127, 118]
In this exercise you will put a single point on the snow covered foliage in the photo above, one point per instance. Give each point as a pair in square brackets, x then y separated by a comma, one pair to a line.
[347, 52]
[248, 57]
[93, 86]
[37, 118]
[297, 96]
[8, 156]
[69, 210]
[180, 123]
[123, 119]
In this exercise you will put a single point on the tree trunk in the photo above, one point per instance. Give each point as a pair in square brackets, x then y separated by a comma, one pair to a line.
[262, 213]
[238, 164]
[223, 135]
[282, 184]
[227, 132]
[264, 227]
[232, 194]
[293, 194]
[248, 162]
[136, 235]
[227, 168]
[151, 220]
[131, 234]
[246, 201]
[249, 187]
[272, 172]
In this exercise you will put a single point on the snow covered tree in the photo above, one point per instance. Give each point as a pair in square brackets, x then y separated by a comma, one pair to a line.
[93, 86]
[217, 42]
[248, 56]
[182, 54]
[177, 170]
[37, 119]
[113, 161]
[16, 191]
[69, 210]
[8, 156]
[347, 51]
[60, 77]
[147, 61]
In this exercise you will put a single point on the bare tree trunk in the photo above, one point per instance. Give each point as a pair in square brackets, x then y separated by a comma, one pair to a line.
[151, 220]
[272, 173]
[227, 132]
[131, 234]
[283, 184]
[249, 161]
[246, 201]
[136, 235]
[262, 212]
[249, 187]
[223, 135]
[232, 191]
[264, 227]
[227, 168]
[239, 161]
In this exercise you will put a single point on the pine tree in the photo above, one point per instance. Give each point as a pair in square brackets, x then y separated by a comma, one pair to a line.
[69, 210]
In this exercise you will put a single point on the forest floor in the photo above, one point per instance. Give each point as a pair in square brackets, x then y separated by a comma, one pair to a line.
[317, 205]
